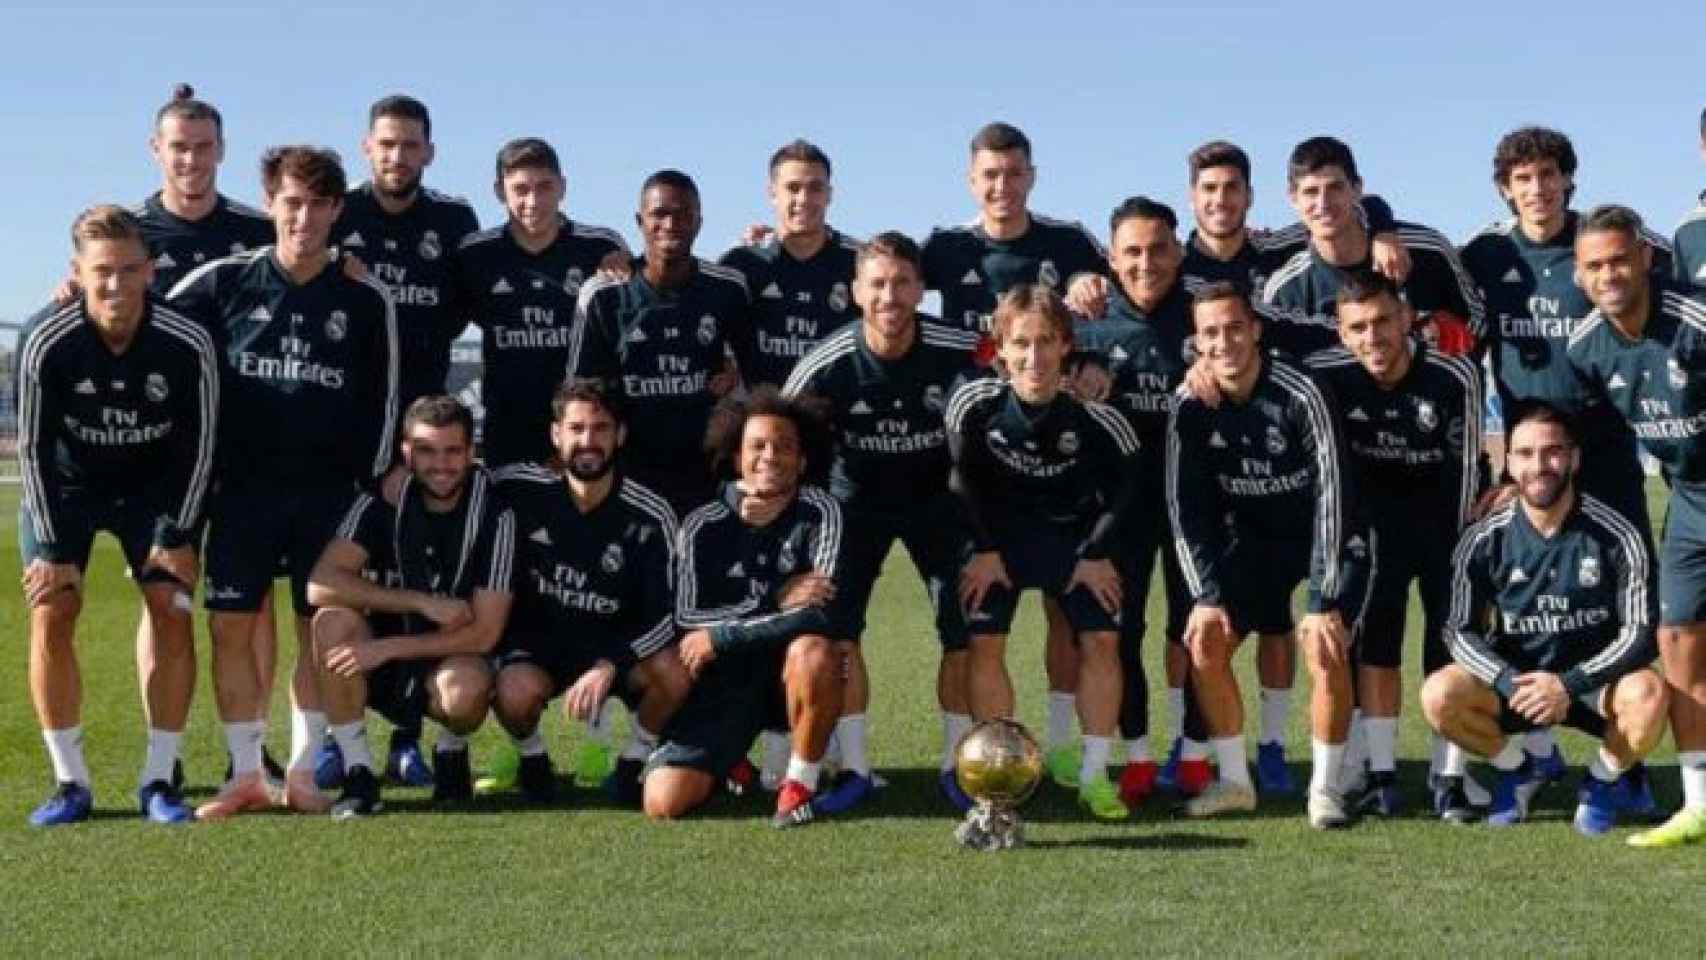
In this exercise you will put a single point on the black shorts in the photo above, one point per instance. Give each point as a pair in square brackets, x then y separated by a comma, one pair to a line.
[397, 690]
[81, 516]
[1401, 557]
[1682, 556]
[1040, 558]
[254, 527]
[932, 535]
[564, 664]
[1587, 714]
[1152, 537]
[723, 714]
[1261, 578]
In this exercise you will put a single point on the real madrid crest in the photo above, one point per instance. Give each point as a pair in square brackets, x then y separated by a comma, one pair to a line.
[838, 297]
[1588, 575]
[707, 329]
[1678, 376]
[337, 326]
[430, 248]
[785, 558]
[1276, 441]
[155, 387]
[612, 559]
[933, 398]
[1068, 443]
[1048, 274]
[573, 279]
[1427, 418]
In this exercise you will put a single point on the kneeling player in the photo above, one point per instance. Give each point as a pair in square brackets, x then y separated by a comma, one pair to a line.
[593, 612]
[411, 596]
[756, 573]
[1044, 481]
[1553, 614]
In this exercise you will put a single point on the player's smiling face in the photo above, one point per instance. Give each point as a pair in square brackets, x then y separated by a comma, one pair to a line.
[189, 153]
[1221, 200]
[399, 153]
[1033, 352]
[439, 458]
[1537, 191]
[1227, 333]
[302, 217]
[669, 222]
[1145, 256]
[1373, 331]
[888, 291]
[1611, 268]
[531, 197]
[1324, 201]
[114, 276]
[1001, 182]
[771, 461]
[586, 438]
[1543, 461]
[799, 193]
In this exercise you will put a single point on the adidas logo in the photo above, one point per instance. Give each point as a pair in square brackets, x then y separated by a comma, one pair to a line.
[1356, 542]
[260, 314]
[354, 240]
[502, 286]
[85, 386]
[859, 406]
[1514, 276]
[1357, 414]
[1216, 440]
[1616, 382]
[542, 536]
[971, 278]
[772, 292]
[637, 336]
[738, 570]
[165, 262]
[1117, 353]
[1517, 576]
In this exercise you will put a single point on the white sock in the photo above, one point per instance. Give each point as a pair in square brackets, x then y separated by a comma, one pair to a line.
[1324, 772]
[775, 759]
[1137, 750]
[1229, 751]
[243, 740]
[450, 742]
[1692, 764]
[1094, 763]
[65, 751]
[1276, 710]
[1604, 767]
[641, 742]
[1454, 760]
[1192, 749]
[954, 726]
[1175, 714]
[602, 727]
[162, 753]
[803, 771]
[850, 730]
[1062, 710]
[532, 745]
[307, 730]
[1381, 736]
[1540, 742]
[1511, 756]
[352, 743]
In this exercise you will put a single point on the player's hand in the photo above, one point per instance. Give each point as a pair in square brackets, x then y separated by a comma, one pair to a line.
[179, 562]
[1199, 382]
[1391, 257]
[353, 660]
[354, 267]
[446, 612]
[1087, 295]
[1205, 625]
[1494, 499]
[617, 265]
[725, 379]
[809, 589]
[1541, 698]
[42, 580]
[391, 485]
[1326, 631]
[696, 652]
[1091, 382]
[755, 234]
[582, 700]
[756, 510]
[67, 291]
[1101, 579]
[982, 571]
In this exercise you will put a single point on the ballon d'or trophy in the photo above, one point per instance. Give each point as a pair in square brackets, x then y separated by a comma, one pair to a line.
[998, 764]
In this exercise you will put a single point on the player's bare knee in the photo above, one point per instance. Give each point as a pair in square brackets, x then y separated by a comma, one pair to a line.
[462, 693]
[671, 793]
[1440, 694]
[811, 658]
[332, 626]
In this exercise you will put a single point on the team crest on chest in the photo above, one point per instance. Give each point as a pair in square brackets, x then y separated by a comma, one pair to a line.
[1427, 417]
[337, 326]
[933, 399]
[1588, 575]
[707, 329]
[838, 297]
[1048, 274]
[155, 387]
[573, 279]
[785, 558]
[430, 248]
[1068, 443]
[1678, 376]
[611, 562]
[1276, 441]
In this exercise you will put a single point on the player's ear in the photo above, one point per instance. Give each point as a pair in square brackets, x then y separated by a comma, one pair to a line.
[621, 435]
[428, 155]
[1643, 255]
[498, 190]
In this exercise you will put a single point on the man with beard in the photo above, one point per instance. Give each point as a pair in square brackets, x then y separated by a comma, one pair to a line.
[593, 614]
[1552, 616]
[411, 596]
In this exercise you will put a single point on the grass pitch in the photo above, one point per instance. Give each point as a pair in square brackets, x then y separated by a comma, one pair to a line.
[589, 879]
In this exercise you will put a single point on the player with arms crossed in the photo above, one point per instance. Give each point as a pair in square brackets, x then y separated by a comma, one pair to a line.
[117, 404]
[410, 598]
[1552, 616]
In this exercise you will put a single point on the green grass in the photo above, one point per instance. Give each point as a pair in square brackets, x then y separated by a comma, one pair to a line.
[588, 879]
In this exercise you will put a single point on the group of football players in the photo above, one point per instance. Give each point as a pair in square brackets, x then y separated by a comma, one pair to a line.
[688, 474]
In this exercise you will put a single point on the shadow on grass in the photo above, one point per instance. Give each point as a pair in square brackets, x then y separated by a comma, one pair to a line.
[1143, 841]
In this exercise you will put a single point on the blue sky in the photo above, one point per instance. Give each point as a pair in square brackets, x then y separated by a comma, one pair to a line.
[1112, 94]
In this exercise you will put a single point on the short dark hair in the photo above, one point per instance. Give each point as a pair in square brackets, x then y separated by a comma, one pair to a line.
[1030, 298]
[106, 221]
[672, 178]
[1317, 154]
[595, 392]
[1611, 217]
[894, 245]
[1218, 153]
[527, 153]
[1000, 137]
[320, 168]
[184, 106]
[1221, 290]
[441, 410]
[800, 151]
[1540, 411]
[1363, 284]
[809, 414]
[399, 106]
[1142, 208]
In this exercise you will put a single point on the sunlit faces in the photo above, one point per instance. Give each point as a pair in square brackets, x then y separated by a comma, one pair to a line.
[1374, 332]
[1325, 201]
[114, 276]
[302, 217]
[669, 222]
[1001, 182]
[1220, 199]
[586, 439]
[189, 153]
[888, 291]
[399, 153]
[1033, 350]
[1227, 334]
[1611, 268]
[799, 193]
[1542, 461]
[531, 196]
[1537, 191]
[771, 460]
[1145, 256]
[439, 458]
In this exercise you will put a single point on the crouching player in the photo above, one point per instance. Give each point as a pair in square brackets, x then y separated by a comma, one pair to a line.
[410, 598]
[757, 572]
[1553, 613]
[1044, 480]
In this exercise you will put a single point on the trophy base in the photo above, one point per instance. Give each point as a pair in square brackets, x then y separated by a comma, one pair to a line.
[987, 828]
